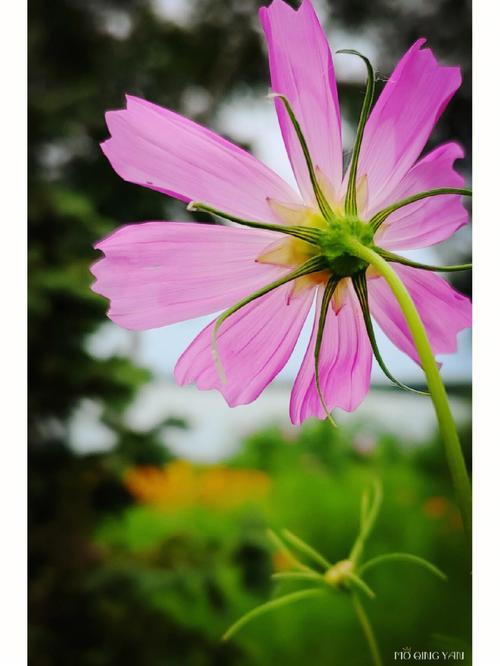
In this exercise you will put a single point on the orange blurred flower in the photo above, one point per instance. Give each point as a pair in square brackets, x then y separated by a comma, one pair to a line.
[436, 507]
[440, 508]
[182, 484]
[281, 562]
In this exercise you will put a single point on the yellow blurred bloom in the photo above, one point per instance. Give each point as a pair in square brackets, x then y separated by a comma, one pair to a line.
[180, 484]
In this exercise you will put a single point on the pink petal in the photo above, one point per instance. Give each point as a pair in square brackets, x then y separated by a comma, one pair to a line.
[403, 118]
[431, 220]
[157, 273]
[345, 363]
[302, 69]
[444, 311]
[253, 344]
[157, 148]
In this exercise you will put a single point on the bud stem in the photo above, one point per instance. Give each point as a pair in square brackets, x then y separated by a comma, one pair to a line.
[437, 390]
[367, 630]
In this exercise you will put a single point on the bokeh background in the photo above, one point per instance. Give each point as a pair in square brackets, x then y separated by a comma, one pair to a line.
[148, 502]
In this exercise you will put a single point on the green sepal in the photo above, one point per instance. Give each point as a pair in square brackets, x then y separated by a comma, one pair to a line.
[312, 265]
[383, 214]
[327, 297]
[360, 287]
[298, 575]
[350, 204]
[305, 234]
[294, 561]
[396, 258]
[371, 511]
[403, 557]
[323, 204]
[361, 585]
[306, 549]
[272, 605]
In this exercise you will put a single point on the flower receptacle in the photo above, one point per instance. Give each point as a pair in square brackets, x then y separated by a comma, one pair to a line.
[339, 573]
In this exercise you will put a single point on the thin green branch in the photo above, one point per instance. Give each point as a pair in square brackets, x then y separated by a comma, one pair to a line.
[451, 442]
[367, 630]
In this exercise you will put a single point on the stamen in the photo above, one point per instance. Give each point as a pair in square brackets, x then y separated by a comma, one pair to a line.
[327, 297]
[350, 205]
[323, 204]
[308, 235]
[312, 265]
[382, 215]
[360, 287]
[396, 258]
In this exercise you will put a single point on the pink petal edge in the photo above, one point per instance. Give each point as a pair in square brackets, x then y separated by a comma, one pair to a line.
[253, 344]
[301, 68]
[158, 273]
[159, 149]
[431, 220]
[444, 311]
[402, 119]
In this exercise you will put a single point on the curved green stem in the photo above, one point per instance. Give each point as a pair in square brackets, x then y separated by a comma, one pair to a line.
[367, 630]
[437, 390]
[361, 289]
[269, 606]
[382, 215]
[402, 557]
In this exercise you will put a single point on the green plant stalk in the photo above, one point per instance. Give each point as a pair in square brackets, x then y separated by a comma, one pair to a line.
[367, 630]
[437, 390]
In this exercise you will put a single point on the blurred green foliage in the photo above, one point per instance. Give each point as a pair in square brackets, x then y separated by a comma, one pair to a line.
[114, 582]
[149, 583]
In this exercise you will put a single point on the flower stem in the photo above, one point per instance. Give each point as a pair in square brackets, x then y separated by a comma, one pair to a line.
[437, 390]
[367, 630]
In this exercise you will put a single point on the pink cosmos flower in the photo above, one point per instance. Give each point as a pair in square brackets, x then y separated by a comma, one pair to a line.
[158, 273]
